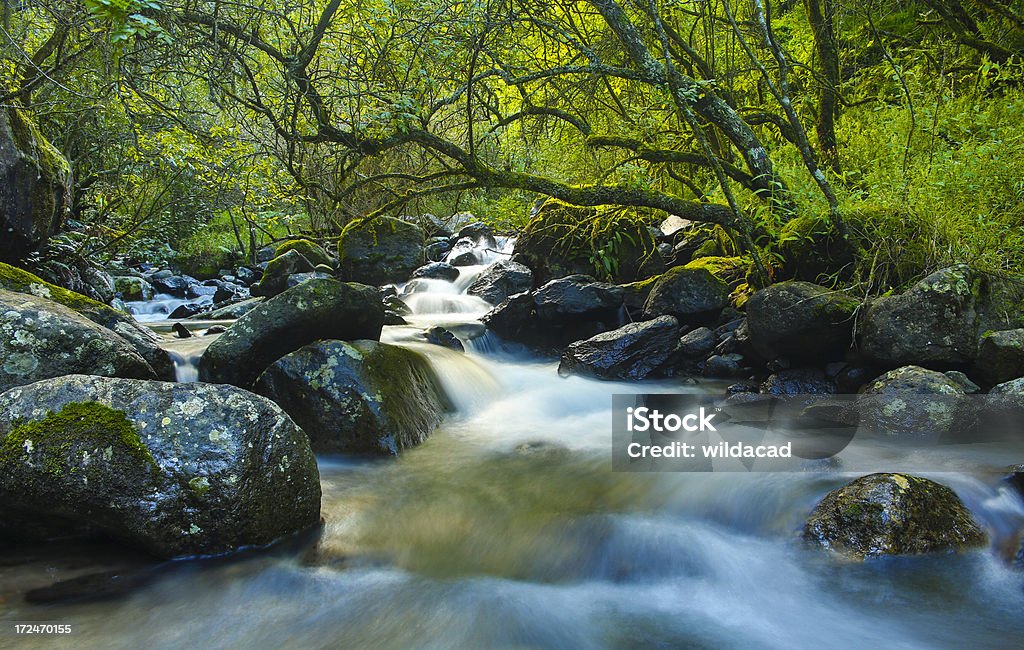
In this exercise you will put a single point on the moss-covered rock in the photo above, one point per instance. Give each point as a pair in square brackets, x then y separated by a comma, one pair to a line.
[811, 247]
[35, 191]
[913, 402]
[614, 243]
[892, 514]
[275, 276]
[362, 397]
[801, 322]
[316, 309]
[1000, 357]
[40, 339]
[690, 294]
[379, 251]
[133, 288]
[140, 338]
[176, 469]
[308, 249]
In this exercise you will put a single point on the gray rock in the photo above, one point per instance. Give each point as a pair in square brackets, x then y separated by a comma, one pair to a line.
[317, 309]
[437, 271]
[801, 322]
[798, 381]
[36, 190]
[724, 366]
[179, 286]
[892, 514]
[177, 469]
[445, 338]
[362, 397]
[380, 250]
[632, 351]
[1000, 357]
[913, 401]
[228, 312]
[501, 280]
[133, 288]
[689, 294]
[698, 343]
[40, 339]
[575, 296]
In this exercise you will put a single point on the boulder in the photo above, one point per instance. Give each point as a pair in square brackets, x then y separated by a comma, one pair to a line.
[314, 310]
[362, 397]
[247, 276]
[35, 186]
[187, 310]
[697, 343]
[229, 291]
[177, 469]
[464, 253]
[380, 250]
[1000, 357]
[632, 351]
[724, 366]
[938, 322]
[689, 294]
[575, 297]
[312, 251]
[437, 271]
[179, 286]
[892, 514]
[913, 401]
[275, 276]
[501, 280]
[40, 339]
[229, 312]
[445, 338]
[436, 249]
[133, 288]
[142, 339]
[801, 322]
[480, 233]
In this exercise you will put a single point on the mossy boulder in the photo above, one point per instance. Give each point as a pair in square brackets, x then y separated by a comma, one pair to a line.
[811, 247]
[316, 309]
[40, 339]
[564, 239]
[35, 186]
[142, 340]
[801, 322]
[690, 294]
[1000, 357]
[362, 397]
[914, 402]
[937, 323]
[175, 469]
[380, 251]
[278, 271]
[631, 352]
[312, 251]
[133, 288]
[892, 514]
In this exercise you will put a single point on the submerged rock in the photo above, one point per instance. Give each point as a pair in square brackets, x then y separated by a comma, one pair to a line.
[40, 339]
[801, 322]
[380, 250]
[892, 514]
[317, 309]
[632, 351]
[178, 469]
[362, 397]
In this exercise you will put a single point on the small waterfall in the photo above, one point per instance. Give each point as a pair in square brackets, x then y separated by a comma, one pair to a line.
[161, 306]
[185, 353]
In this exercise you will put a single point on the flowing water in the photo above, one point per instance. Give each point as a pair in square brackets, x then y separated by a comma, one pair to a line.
[507, 529]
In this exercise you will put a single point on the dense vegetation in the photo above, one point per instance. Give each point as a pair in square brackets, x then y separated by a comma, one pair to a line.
[890, 130]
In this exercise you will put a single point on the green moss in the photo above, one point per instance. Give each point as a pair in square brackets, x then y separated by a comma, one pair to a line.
[21, 281]
[78, 428]
[29, 138]
[308, 249]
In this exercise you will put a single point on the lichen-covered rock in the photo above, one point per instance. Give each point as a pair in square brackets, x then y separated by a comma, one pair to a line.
[380, 251]
[362, 397]
[40, 339]
[632, 351]
[688, 294]
[312, 251]
[177, 469]
[801, 322]
[279, 270]
[892, 514]
[913, 401]
[1000, 357]
[938, 322]
[142, 340]
[501, 280]
[35, 186]
[314, 310]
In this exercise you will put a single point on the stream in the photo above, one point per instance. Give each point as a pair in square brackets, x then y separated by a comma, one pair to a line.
[507, 529]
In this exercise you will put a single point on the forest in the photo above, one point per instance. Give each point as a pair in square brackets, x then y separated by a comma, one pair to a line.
[512, 323]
